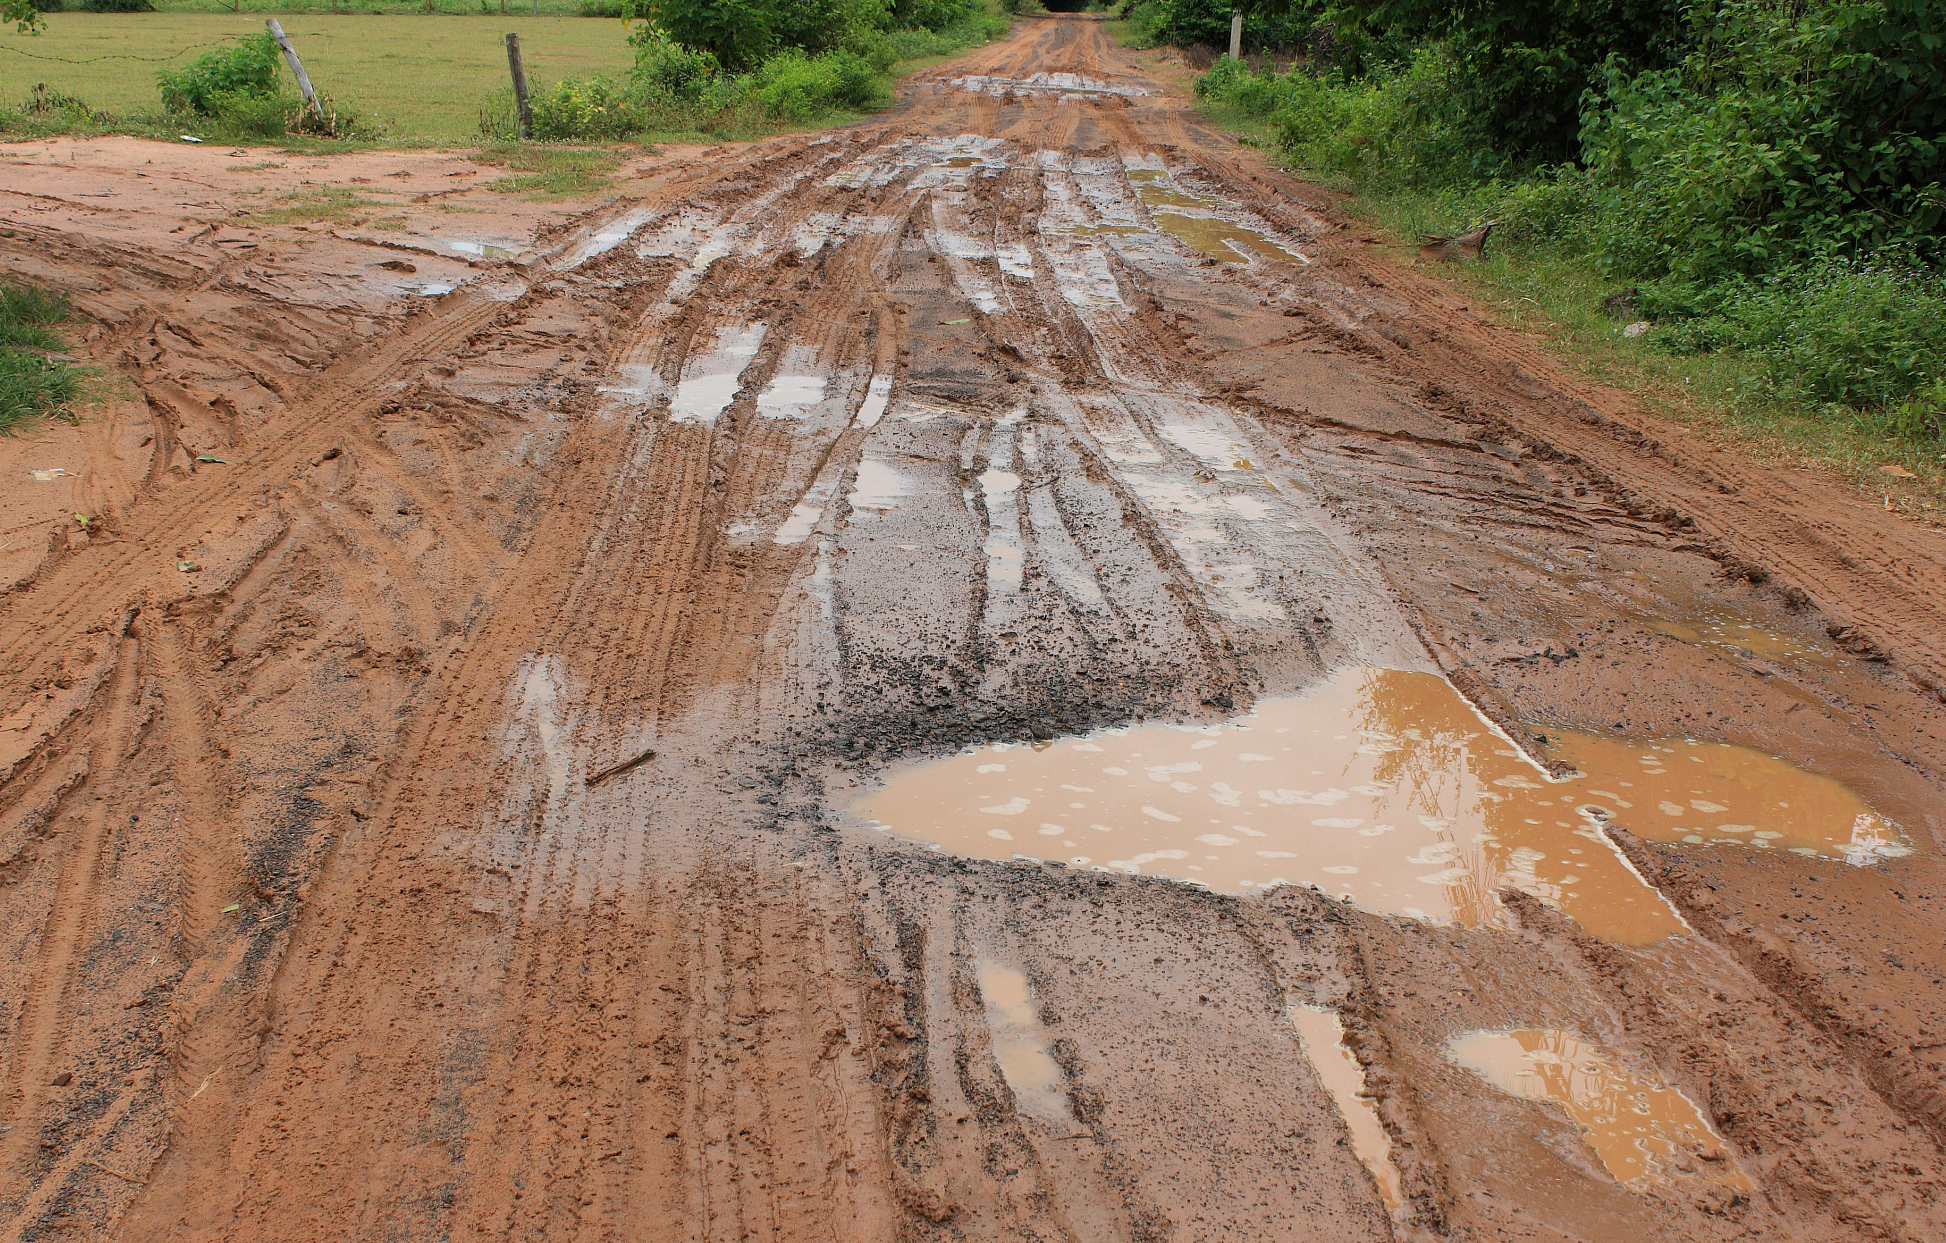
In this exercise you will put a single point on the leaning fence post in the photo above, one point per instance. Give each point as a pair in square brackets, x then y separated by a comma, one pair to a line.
[520, 85]
[297, 67]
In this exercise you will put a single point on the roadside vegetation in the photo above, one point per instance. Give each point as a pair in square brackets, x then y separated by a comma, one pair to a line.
[34, 382]
[1751, 187]
[668, 69]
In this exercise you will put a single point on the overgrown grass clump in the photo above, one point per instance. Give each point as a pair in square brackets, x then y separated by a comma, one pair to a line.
[33, 385]
[1772, 196]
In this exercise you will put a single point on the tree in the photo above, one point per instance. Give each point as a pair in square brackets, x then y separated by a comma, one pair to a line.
[26, 18]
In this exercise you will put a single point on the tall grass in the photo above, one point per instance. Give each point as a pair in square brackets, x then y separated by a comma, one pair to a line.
[32, 385]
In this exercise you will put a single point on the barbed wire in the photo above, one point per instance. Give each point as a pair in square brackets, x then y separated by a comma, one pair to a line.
[4, 47]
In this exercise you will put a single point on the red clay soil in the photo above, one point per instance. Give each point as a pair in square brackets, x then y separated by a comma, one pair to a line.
[425, 778]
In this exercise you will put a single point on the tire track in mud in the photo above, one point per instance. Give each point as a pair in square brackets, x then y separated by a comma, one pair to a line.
[47, 1009]
[578, 957]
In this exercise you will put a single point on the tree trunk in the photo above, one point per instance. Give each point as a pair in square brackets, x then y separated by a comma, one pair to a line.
[1236, 34]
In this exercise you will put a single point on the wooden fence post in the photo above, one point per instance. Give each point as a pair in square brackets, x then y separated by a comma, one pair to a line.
[520, 85]
[297, 67]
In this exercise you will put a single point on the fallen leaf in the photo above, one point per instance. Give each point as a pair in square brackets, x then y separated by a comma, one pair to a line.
[232, 908]
[187, 566]
[211, 457]
[1898, 472]
[950, 322]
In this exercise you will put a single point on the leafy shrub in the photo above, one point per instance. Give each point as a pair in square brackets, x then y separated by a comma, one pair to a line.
[667, 69]
[795, 87]
[1870, 333]
[589, 108]
[246, 67]
[1791, 131]
[1523, 65]
[118, 6]
[1393, 128]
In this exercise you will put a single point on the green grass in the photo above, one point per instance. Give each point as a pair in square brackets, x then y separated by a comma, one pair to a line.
[424, 78]
[551, 172]
[32, 386]
[1560, 297]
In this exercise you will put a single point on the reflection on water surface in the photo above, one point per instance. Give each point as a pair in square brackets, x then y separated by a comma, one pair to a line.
[1381, 786]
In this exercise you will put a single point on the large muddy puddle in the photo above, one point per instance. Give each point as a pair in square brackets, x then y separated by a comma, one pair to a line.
[1379, 786]
[1321, 1034]
[1642, 1130]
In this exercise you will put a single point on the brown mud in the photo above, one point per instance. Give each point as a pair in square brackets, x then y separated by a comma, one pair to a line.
[430, 819]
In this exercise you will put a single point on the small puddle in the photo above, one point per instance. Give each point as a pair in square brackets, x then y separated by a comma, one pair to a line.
[1739, 637]
[710, 383]
[789, 396]
[1696, 793]
[1019, 1043]
[1643, 1131]
[1194, 221]
[482, 250]
[877, 488]
[1321, 1034]
[1379, 786]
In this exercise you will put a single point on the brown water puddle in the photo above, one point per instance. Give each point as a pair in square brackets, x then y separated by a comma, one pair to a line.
[1019, 1043]
[1644, 1131]
[1380, 786]
[1681, 790]
[1321, 1034]
[1191, 219]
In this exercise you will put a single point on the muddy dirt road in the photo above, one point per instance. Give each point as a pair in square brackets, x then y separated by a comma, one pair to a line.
[459, 784]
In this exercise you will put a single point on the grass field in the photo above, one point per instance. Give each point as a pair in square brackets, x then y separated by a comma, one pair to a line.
[425, 77]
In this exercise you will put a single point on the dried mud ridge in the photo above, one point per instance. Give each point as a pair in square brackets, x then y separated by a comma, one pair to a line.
[458, 850]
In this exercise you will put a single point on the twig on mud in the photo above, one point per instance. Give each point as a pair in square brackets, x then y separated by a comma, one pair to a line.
[616, 770]
[127, 1178]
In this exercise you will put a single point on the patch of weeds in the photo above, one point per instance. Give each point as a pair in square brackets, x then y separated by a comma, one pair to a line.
[32, 384]
[552, 172]
[255, 168]
[388, 224]
[337, 204]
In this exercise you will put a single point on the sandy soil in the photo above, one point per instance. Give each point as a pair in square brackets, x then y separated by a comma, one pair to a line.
[429, 820]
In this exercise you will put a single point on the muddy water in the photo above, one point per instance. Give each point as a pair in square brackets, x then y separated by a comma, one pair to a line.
[1643, 1131]
[1681, 790]
[1379, 786]
[1019, 1044]
[1322, 1036]
[1195, 222]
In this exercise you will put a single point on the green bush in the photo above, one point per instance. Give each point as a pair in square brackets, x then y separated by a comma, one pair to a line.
[669, 70]
[1774, 191]
[586, 108]
[1790, 132]
[1870, 334]
[798, 88]
[246, 67]
[1393, 128]
[118, 6]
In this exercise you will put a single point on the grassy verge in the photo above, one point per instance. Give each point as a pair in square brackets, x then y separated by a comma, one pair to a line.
[1548, 287]
[32, 384]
